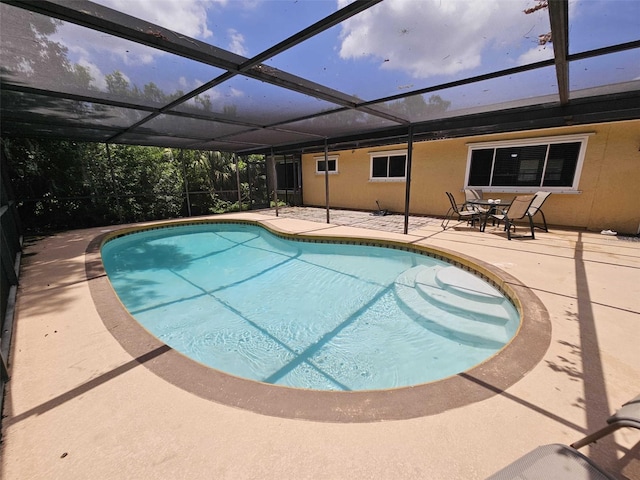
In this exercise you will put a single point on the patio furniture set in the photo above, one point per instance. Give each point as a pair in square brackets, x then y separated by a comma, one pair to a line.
[481, 210]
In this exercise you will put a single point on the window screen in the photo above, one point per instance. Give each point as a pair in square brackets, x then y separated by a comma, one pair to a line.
[561, 164]
[392, 166]
[397, 166]
[285, 174]
[379, 167]
[519, 166]
[543, 165]
[332, 166]
[481, 163]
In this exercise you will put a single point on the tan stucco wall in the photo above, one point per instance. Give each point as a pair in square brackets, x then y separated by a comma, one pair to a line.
[609, 185]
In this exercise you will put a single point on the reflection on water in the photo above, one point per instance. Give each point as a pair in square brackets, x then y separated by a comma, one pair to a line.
[310, 315]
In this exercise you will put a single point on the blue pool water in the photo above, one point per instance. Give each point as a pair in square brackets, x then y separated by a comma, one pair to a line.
[324, 316]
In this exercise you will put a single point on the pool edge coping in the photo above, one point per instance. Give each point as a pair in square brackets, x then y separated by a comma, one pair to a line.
[483, 381]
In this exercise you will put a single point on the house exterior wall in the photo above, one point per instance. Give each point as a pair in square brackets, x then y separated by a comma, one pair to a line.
[608, 195]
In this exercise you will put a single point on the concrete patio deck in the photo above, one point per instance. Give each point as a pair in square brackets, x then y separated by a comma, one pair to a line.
[80, 406]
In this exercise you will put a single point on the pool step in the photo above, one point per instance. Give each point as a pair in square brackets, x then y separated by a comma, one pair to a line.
[453, 288]
[420, 290]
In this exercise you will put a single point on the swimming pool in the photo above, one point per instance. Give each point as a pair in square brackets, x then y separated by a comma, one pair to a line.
[307, 314]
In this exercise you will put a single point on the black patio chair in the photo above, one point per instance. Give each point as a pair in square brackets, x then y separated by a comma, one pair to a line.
[536, 207]
[518, 210]
[472, 194]
[462, 211]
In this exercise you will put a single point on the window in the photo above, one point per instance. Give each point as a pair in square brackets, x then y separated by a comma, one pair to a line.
[528, 165]
[333, 164]
[287, 175]
[388, 166]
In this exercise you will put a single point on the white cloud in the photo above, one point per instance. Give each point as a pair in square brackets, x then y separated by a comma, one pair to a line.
[91, 49]
[97, 77]
[437, 37]
[235, 93]
[88, 53]
[536, 54]
[188, 17]
[236, 43]
[25, 66]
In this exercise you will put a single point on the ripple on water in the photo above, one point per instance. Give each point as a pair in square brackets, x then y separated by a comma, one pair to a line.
[320, 316]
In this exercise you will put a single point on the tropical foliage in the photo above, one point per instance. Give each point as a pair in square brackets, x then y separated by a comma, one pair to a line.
[63, 184]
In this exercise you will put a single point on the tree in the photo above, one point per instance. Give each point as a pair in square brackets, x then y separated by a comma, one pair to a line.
[416, 108]
[117, 84]
[152, 93]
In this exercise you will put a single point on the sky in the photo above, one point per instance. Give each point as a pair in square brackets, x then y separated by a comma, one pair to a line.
[394, 47]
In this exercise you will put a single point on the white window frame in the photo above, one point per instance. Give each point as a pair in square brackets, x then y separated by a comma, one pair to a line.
[529, 142]
[329, 158]
[389, 153]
